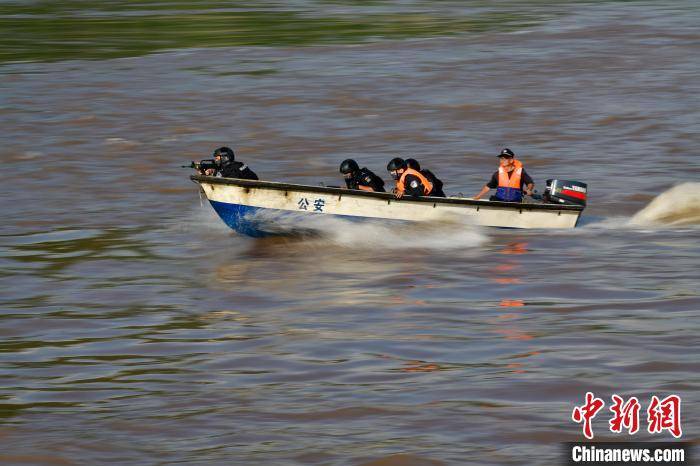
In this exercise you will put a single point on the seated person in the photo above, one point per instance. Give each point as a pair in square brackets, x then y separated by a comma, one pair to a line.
[409, 182]
[227, 167]
[510, 180]
[360, 178]
[437, 183]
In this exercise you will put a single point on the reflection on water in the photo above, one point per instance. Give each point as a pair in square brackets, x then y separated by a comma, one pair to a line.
[138, 329]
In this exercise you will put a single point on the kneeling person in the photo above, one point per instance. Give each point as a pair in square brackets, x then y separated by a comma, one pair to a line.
[510, 180]
[360, 178]
[227, 166]
[409, 182]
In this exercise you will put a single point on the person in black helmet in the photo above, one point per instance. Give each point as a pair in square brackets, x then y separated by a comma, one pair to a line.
[409, 182]
[413, 163]
[227, 167]
[360, 178]
[437, 183]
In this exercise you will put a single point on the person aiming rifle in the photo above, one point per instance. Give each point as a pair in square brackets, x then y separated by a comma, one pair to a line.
[204, 167]
[224, 165]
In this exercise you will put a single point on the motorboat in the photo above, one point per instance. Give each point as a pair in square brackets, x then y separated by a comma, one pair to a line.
[254, 208]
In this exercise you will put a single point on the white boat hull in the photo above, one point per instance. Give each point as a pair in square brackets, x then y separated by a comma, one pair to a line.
[240, 202]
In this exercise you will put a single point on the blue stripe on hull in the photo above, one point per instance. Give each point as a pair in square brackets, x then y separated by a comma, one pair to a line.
[239, 217]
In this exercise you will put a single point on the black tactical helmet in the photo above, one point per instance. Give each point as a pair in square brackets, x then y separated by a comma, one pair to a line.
[413, 163]
[396, 163]
[225, 153]
[349, 166]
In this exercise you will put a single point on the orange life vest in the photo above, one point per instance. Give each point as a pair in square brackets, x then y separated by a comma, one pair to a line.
[512, 181]
[401, 186]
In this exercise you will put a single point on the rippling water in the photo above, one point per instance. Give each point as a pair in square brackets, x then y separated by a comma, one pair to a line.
[138, 329]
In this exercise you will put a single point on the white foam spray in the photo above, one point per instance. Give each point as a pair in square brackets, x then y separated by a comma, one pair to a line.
[444, 234]
[678, 206]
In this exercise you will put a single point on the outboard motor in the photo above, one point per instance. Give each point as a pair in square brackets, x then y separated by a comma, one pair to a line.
[566, 192]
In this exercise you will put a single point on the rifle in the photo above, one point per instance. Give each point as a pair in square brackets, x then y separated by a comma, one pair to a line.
[202, 166]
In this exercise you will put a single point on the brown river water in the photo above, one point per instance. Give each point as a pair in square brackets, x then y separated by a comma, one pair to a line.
[137, 329]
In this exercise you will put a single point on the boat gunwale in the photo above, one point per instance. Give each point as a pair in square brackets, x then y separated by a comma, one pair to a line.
[378, 195]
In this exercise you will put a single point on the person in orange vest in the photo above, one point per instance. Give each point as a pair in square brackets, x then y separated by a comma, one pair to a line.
[510, 180]
[409, 182]
[437, 183]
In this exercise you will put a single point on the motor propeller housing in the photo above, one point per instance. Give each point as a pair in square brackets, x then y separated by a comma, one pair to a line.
[566, 192]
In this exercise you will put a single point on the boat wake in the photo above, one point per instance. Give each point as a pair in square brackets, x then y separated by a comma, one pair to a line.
[678, 206]
[447, 233]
